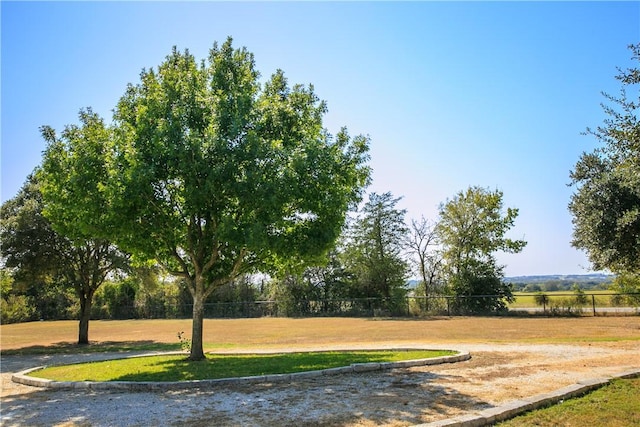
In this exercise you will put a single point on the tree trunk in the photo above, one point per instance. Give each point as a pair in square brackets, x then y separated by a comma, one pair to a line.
[426, 287]
[197, 352]
[85, 315]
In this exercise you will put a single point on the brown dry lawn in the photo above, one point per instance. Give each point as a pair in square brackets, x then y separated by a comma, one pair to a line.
[512, 358]
[274, 333]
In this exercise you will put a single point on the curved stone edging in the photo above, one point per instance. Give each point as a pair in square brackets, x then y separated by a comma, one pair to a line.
[517, 407]
[24, 378]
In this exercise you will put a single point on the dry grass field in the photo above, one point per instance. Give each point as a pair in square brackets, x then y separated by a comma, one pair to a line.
[270, 333]
[512, 358]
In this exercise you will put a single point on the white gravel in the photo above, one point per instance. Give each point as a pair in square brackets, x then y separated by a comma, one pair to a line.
[402, 397]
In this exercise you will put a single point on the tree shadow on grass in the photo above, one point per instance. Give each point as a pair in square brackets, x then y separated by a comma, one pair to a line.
[65, 353]
[415, 318]
[218, 366]
[93, 347]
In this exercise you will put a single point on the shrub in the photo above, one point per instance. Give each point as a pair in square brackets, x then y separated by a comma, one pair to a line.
[580, 298]
[564, 307]
[16, 308]
[628, 286]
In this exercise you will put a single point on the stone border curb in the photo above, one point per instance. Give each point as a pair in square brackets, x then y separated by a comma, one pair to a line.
[517, 407]
[24, 378]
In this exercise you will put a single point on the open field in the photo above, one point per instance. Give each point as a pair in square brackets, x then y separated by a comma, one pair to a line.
[600, 297]
[277, 333]
[512, 358]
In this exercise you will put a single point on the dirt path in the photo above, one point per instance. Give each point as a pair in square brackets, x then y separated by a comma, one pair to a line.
[496, 373]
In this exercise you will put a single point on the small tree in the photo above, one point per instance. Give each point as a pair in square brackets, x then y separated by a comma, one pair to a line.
[374, 251]
[330, 281]
[50, 252]
[30, 246]
[424, 244]
[74, 174]
[542, 299]
[472, 227]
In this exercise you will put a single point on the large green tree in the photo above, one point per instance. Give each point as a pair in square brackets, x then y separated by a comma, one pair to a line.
[472, 228]
[606, 204]
[375, 247]
[212, 174]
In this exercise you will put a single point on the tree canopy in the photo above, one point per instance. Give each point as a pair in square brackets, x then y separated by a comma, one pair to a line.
[606, 203]
[374, 251]
[41, 256]
[472, 227]
[211, 173]
[30, 247]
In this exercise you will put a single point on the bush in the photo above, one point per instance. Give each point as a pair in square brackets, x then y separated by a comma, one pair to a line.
[564, 307]
[628, 286]
[480, 294]
[580, 298]
[16, 308]
[115, 300]
[55, 301]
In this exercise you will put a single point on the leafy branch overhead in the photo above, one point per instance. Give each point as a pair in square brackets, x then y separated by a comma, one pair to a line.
[606, 204]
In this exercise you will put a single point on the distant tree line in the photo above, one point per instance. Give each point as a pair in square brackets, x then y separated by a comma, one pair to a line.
[368, 267]
[211, 187]
[553, 285]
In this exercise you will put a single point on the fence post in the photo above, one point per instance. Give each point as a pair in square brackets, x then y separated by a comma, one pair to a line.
[593, 304]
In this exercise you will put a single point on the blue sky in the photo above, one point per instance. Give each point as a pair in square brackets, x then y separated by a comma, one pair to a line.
[452, 94]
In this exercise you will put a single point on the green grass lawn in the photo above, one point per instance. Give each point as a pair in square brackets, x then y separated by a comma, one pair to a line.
[614, 405]
[177, 368]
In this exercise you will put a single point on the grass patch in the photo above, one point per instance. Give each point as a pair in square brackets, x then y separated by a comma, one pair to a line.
[177, 368]
[614, 405]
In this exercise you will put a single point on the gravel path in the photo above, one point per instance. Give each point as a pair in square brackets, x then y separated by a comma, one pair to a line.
[402, 397]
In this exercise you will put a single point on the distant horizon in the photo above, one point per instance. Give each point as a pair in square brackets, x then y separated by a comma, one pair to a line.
[599, 274]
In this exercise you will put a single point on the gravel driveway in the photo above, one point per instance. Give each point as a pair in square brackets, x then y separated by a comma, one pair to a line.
[401, 397]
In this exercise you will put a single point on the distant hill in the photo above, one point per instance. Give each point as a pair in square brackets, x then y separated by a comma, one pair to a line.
[560, 282]
[551, 282]
[573, 278]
